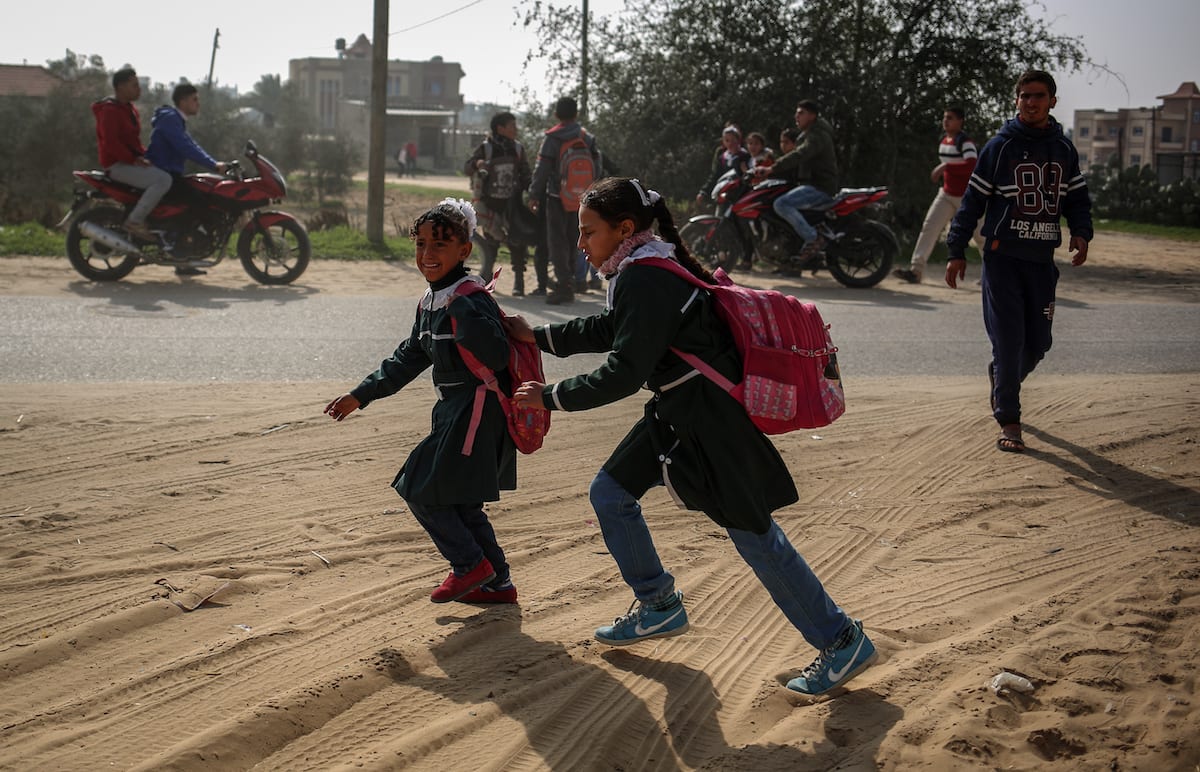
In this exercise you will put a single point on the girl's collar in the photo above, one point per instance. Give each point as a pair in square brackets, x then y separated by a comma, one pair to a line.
[655, 247]
[613, 264]
[437, 299]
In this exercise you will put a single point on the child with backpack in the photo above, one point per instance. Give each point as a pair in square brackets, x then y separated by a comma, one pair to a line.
[695, 438]
[469, 456]
[568, 162]
[499, 173]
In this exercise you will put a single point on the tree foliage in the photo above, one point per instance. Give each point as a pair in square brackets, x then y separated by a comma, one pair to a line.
[666, 77]
[1133, 193]
[46, 138]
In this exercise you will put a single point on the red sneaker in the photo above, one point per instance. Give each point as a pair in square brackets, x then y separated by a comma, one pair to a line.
[457, 586]
[485, 595]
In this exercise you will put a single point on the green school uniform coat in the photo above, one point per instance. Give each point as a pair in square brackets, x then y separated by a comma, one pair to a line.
[694, 437]
[436, 472]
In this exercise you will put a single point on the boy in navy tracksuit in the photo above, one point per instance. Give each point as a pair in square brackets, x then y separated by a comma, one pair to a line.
[1027, 178]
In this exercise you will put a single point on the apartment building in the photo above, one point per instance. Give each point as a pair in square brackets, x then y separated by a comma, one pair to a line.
[423, 100]
[1165, 137]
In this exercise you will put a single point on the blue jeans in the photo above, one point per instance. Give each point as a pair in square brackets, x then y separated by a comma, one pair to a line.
[786, 576]
[790, 204]
[463, 534]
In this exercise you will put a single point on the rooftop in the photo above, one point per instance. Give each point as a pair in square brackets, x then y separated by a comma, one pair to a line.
[26, 80]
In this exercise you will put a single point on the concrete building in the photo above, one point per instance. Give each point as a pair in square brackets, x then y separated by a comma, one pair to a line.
[1165, 138]
[423, 100]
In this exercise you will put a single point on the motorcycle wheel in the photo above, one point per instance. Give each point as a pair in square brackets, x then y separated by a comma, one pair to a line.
[280, 262]
[713, 242]
[93, 260]
[863, 256]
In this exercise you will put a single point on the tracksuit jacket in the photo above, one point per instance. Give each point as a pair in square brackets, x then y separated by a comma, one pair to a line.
[1025, 181]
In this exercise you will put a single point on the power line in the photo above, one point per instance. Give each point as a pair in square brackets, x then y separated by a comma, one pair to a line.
[436, 18]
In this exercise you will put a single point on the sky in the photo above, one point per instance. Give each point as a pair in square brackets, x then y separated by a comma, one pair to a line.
[1150, 44]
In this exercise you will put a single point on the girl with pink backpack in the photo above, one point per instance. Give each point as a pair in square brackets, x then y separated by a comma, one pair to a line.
[692, 434]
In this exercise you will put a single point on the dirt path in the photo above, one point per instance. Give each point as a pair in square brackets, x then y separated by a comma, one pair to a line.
[1076, 565]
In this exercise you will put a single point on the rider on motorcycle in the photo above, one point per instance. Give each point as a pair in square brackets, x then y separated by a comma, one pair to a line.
[812, 166]
[731, 155]
[119, 142]
[171, 145]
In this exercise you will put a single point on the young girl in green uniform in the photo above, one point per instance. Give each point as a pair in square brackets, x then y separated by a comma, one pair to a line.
[443, 487]
[694, 438]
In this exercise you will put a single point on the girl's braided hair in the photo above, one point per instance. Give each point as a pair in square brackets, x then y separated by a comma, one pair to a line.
[619, 198]
[448, 220]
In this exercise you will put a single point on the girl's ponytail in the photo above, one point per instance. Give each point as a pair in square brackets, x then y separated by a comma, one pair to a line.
[667, 229]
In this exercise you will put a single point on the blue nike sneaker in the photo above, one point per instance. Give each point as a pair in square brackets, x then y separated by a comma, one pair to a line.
[642, 622]
[836, 665]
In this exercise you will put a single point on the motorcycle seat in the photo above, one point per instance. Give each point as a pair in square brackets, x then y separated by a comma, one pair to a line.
[847, 192]
[102, 176]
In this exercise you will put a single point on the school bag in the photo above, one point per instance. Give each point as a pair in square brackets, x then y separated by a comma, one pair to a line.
[526, 425]
[576, 169]
[498, 179]
[790, 376]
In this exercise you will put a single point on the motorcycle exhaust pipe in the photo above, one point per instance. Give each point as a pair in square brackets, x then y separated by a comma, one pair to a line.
[108, 238]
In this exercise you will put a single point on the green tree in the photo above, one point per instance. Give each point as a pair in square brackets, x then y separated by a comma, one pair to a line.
[331, 166]
[47, 138]
[667, 76]
[288, 120]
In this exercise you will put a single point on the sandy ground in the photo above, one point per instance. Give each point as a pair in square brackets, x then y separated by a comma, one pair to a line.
[223, 580]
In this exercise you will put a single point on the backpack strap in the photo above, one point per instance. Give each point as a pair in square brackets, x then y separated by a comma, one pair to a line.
[477, 368]
[705, 369]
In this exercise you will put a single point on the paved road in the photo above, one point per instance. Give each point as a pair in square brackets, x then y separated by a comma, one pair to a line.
[123, 332]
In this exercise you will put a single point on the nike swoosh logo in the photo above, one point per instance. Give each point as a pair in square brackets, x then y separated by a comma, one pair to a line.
[639, 630]
[836, 675]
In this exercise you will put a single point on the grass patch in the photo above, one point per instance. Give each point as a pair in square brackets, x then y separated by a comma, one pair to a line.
[32, 239]
[345, 243]
[1178, 232]
[420, 191]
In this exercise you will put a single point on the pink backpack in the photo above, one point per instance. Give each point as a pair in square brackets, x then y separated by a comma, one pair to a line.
[789, 363]
[526, 425]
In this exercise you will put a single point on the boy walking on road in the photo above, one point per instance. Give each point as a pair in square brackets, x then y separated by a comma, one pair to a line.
[1027, 178]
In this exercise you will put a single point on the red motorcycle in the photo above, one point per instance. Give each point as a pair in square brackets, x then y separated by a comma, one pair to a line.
[858, 251]
[192, 227]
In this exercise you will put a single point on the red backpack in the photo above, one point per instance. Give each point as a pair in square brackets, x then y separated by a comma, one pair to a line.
[576, 169]
[789, 363]
[526, 425]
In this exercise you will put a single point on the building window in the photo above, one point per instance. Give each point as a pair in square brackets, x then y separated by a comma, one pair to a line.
[1138, 131]
[1195, 116]
[1135, 160]
[1166, 134]
[327, 105]
[1196, 145]
[1083, 131]
[1114, 131]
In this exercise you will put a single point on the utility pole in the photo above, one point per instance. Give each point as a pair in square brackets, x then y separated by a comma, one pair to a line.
[583, 76]
[376, 155]
[213, 60]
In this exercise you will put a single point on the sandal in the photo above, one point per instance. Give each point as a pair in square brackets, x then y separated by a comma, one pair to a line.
[1010, 439]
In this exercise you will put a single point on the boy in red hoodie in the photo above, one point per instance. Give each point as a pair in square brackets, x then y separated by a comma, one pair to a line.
[119, 142]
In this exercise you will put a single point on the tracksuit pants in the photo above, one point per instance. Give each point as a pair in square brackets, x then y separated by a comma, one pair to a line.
[1018, 310]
